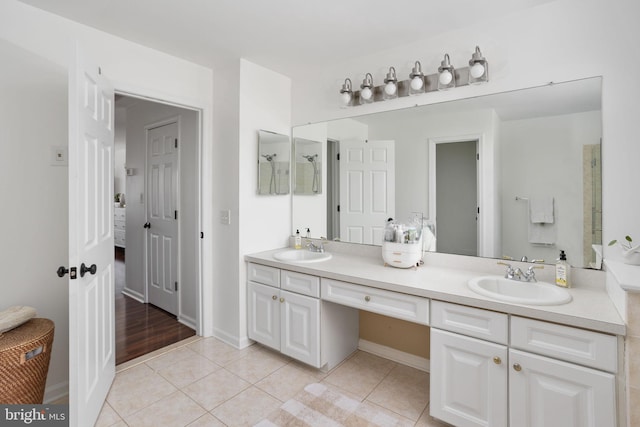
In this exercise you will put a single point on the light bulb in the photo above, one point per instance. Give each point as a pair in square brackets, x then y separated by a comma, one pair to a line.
[445, 77]
[477, 70]
[366, 93]
[345, 98]
[390, 88]
[416, 83]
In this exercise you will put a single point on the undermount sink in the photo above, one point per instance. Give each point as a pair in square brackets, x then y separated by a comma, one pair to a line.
[301, 256]
[508, 290]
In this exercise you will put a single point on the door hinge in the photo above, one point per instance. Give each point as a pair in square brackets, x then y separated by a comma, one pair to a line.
[477, 156]
[175, 214]
[176, 142]
[478, 209]
[338, 208]
[202, 235]
[176, 287]
[338, 156]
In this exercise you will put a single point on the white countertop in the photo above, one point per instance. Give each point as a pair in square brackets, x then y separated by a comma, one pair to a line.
[591, 308]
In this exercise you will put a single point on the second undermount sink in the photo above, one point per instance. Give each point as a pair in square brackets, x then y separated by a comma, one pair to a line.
[301, 256]
[531, 293]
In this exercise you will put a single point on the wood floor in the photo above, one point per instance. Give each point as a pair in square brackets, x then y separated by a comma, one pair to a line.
[141, 328]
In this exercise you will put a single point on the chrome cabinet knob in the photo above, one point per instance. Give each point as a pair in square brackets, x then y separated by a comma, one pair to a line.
[281, 299]
[275, 297]
[367, 298]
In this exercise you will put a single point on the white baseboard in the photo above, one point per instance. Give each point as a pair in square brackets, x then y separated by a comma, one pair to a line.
[395, 355]
[55, 392]
[133, 294]
[232, 340]
[188, 321]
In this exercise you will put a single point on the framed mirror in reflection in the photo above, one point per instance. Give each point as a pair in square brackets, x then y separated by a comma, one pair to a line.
[273, 163]
[308, 167]
[508, 175]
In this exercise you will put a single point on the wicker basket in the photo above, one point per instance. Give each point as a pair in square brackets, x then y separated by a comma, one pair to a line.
[25, 352]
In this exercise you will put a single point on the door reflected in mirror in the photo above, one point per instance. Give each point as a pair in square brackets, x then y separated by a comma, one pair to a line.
[528, 145]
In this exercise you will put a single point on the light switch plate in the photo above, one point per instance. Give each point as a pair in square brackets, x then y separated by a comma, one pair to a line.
[59, 155]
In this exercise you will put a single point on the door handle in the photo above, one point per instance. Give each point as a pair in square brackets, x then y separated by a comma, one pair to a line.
[84, 269]
[147, 225]
[62, 270]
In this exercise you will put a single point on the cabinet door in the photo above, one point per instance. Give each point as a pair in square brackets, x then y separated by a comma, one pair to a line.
[547, 392]
[264, 314]
[468, 380]
[300, 327]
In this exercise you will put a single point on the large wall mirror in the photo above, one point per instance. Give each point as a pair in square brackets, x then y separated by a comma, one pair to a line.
[512, 174]
[273, 163]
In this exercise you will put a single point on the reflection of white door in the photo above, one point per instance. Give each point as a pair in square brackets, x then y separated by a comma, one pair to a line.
[367, 189]
[162, 216]
[91, 295]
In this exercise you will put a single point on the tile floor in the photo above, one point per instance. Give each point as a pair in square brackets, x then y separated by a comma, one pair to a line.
[205, 382]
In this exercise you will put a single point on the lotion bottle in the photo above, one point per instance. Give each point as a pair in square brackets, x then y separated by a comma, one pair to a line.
[298, 240]
[563, 271]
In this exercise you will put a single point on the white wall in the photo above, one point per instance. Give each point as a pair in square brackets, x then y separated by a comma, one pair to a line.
[555, 142]
[120, 152]
[140, 115]
[35, 203]
[264, 220]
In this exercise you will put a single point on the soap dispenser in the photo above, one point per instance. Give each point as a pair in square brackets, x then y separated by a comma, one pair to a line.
[298, 240]
[563, 271]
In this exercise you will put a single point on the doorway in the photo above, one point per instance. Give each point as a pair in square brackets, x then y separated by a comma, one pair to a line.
[145, 323]
[453, 199]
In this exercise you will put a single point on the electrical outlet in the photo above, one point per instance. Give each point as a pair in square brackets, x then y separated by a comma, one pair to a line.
[225, 217]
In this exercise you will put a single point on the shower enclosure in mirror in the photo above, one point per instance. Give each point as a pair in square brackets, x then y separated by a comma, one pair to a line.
[273, 163]
[308, 166]
[500, 153]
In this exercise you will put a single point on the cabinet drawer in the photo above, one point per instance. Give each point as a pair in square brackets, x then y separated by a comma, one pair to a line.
[263, 274]
[474, 322]
[580, 346]
[393, 304]
[119, 213]
[300, 283]
[119, 224]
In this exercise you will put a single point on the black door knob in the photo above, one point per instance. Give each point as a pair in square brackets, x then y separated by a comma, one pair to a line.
[84, 269]
[147, 225]
[61, 271]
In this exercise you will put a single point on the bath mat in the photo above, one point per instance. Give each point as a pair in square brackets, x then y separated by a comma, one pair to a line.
[320, 406]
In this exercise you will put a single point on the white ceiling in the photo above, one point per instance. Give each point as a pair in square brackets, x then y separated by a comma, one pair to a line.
[278, 34]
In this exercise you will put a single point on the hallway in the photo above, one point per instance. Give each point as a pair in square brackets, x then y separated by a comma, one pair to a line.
[141, 328]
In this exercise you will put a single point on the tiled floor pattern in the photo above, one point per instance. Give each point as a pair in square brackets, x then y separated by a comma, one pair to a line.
[206, 382]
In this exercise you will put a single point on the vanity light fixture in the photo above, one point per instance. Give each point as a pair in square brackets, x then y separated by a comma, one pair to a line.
[446, 74]
[390, 85]
[446, 77]
[416, 86]
[366, 89]
[478, 68]
[346, 94]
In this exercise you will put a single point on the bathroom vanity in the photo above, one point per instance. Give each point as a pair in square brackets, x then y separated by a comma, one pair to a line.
[491, 362]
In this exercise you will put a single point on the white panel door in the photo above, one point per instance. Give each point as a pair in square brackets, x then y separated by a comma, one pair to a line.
[547, 392]
[300, 327]
[162, 217]
[264, 314]
[91, 295]
[468, 381]
[367, 189]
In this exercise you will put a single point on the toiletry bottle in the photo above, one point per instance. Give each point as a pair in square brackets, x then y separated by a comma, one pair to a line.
[563, 271]
[308, 233]
[298, 240]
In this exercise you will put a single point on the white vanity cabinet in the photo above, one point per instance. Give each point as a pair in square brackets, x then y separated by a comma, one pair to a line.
[286, 314]
[119, 227]
[489, 370]
[468, 380]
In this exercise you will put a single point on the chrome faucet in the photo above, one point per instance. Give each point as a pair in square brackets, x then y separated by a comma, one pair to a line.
[316, 247]
[519, 275]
